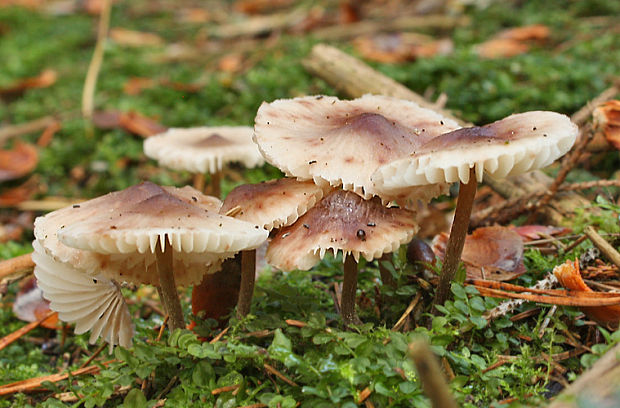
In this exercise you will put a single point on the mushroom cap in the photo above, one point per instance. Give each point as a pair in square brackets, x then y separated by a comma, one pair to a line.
[516, 144]
[274, 203]
[341, 143]
[342, 221]
[192, 245]
[91, 302]
[204, 149]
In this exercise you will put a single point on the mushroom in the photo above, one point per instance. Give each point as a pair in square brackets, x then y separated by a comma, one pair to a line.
[514, 145]
[204, 150]
[272, 204]
[142, 234]
[342, 221]
[341, 143]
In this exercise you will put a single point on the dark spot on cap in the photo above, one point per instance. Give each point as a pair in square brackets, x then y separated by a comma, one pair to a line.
[312, 162]
[76, 206]
[194, 198]
[371, 224]
[361, 234]
[306, 226]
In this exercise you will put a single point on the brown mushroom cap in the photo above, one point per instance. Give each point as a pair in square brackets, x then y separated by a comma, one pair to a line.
[513, 145]
[274, 203]
[341, 143]
[136, 264]
[342, 221]
[204, 149]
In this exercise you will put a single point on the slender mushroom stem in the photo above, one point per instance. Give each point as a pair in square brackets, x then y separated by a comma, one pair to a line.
[199, 182]
[216, 184]
[248, 275]
[349, 289]
[454, 248]
[170, 297]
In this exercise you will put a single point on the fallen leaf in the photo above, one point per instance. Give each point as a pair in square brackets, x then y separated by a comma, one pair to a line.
[349, 12]
[494, 253]
[45, 79]
[132, 38]
[501, 48]
[135, 85]
[17, 162]
[400, 47]
[606, 120]
[30, 306]
[534, 32]
[216, 296]
[13, 196]
[48, 134]
[140, 125]
[569, 276]
[132, 122]
[230, 63]
[534, 232]
[259, 6]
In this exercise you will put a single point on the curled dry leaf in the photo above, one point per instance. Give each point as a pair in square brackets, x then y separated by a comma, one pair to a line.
[569, 276]
[132, 122]
[401, 47]
[513, 41]
[45, 79]
[30, 306]
[534, 232]
[132, 38]
[606, 119]
[17, 162]
[494, 253]
[13, 196]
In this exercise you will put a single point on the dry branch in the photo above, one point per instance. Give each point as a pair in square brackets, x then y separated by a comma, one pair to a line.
[22, 263]
[355, 78]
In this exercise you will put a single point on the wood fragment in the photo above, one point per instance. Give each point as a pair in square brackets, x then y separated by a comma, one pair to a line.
[272, 370]
[604, 246]
[433, 381]
[19, 264]
[11, 337]
[408, 310]
[94, 355]
[219, 336]
[33, 384]
[296, 323]
[227, 388]
[363, 395]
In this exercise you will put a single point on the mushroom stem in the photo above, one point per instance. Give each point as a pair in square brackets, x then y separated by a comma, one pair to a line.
[199, 182]
[386, 275]
[349, 289]
[248, 276]
[454, 248]
[216, 184]
[170, 297]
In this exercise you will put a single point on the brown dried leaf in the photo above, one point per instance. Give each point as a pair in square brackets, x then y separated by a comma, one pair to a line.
[132, 122]
[494, 253]
[534, 232]
[259, 6]
[135, 85]
[606, 119]
[569, 276]
[501, 48]
[18, 162]
[30, 306]
[13, 196]
[132, 38]
[45, 79]
[535, 32]
[400, 47]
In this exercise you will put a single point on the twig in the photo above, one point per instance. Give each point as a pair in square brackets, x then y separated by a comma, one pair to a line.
[272, 370]
[22, 263]
[8, 132]
[88, 94]
[32, 384]
[412, 305]
[582, 115]
[167, 388]
[363, 396]
[227, 388]
[433, 381]
[500, 310]
[10, 338]
[296, 323]
[219, 336]
[604, 246]
[545, 322]
[94, 355]
[162, 327]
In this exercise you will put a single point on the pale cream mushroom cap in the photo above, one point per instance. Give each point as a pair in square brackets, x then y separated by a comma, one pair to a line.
[204, 149]
[514, 145]
[342, 142]
[128, 267]
[92, 302]
[274, 203]
[342, 221]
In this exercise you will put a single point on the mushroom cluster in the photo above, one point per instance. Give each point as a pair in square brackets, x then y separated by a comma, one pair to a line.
[146, 234]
